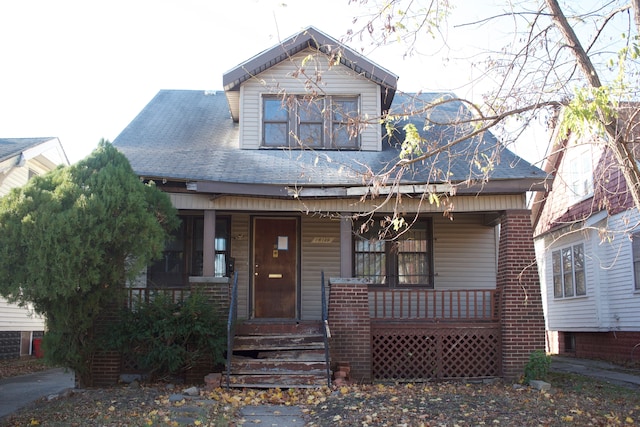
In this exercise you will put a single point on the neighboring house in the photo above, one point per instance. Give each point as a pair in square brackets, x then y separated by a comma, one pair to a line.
[587, 243]
[20, 160]
[451, 297]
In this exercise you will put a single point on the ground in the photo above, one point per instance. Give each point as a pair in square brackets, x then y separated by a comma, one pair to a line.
[573, 401]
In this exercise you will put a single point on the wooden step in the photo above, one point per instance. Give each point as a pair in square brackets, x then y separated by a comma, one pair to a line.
[279, 328]
[302, 355]
[278, 342]
[247, 366]
[281, 381]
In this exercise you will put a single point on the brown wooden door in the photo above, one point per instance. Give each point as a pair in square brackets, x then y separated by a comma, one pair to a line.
[275, 267]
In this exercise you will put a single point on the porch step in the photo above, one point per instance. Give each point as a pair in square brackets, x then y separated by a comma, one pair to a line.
[285, 355]
[278, 342]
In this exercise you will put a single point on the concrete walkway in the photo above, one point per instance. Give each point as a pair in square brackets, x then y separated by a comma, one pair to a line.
[17, 392]
[604, 371]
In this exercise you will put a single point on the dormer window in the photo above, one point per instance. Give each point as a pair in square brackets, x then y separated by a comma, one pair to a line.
[329, 122]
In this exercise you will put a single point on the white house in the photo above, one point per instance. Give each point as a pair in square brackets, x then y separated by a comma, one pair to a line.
[20, 160]
[587, 240]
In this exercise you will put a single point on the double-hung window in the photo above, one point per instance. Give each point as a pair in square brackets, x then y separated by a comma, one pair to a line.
[401, 259]
[328, 122]
[569, 272]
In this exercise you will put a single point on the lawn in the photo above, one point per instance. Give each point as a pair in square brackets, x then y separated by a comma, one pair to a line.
[573, 401]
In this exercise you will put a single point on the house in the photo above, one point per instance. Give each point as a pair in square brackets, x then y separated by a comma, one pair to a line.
[20, 160]
[274, 178]
[587, 244]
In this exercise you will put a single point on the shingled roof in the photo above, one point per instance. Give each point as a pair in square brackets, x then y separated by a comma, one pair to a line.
[10, 147]
[186, 135]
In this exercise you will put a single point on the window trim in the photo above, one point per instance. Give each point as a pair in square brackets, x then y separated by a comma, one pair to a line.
[635, 260]
[558, 255]
[391, 266]
[330, 124]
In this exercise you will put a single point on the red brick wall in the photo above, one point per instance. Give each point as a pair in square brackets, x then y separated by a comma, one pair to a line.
[611, 346]
[350, 327]
[521, 302]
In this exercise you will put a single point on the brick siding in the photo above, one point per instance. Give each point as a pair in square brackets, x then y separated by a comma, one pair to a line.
[521, 302]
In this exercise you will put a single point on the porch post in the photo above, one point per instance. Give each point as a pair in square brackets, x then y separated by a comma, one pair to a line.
[209, 244]
[350, 326]
[346, 248]
[521, 315]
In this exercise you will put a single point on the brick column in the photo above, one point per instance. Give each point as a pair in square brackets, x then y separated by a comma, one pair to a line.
[522, 318]
[350, 326]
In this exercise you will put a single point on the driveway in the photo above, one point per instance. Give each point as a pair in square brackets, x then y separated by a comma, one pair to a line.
[17, 392]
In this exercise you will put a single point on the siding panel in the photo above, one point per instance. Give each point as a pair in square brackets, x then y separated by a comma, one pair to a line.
[465, 253]
[320, 252]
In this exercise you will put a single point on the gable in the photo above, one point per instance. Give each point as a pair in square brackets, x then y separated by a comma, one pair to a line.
[320, 43]
[320, 80]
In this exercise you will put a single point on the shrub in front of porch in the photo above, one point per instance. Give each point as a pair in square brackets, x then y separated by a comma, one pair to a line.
[166, 339]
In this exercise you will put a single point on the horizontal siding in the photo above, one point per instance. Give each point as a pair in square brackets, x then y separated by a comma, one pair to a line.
[15, 318]
[611, 303]
[17, 177]
[465, 253]
[461, 203]
[240, 244]
[317, 256]
[621, 311]
[570, 314]
[338, 80]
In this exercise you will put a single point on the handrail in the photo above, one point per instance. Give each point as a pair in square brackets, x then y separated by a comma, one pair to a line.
[231, 322]
[325, 328]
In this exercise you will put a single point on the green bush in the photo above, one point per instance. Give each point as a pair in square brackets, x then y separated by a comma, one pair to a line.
[538, 366]
[165, 338]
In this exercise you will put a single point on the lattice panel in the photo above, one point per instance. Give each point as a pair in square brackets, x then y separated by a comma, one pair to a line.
[403, 356]
[416, 352]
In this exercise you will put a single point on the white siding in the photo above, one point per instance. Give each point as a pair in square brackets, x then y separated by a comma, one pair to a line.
[611, 303]
[240, 251]
[320, 245]
[621, 303]
[579, 313]
[14, 318]
[465, 253]
[337, 80]
[16, 177]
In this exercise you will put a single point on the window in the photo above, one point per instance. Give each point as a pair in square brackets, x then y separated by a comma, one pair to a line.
[635, 246]
[183, 255]
[299, 122]
[400, 260]
[580, 174]
[568, 272]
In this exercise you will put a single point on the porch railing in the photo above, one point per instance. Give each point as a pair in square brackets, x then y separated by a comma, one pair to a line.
[231, 324]
[325, 327]
[136, 296]
[434, 305]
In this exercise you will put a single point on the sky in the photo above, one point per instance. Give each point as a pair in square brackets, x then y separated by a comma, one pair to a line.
[82, 70]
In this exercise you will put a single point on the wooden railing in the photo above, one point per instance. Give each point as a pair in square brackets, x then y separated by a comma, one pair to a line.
[434, 305]
[136, 296]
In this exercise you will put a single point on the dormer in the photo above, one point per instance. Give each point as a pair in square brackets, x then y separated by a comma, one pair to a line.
[309, 92]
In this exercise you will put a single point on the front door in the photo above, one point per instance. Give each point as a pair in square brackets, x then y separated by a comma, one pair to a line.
[275, 261]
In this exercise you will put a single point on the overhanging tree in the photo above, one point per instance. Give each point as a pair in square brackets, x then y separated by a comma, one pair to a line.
[560, 55]
[71, 238]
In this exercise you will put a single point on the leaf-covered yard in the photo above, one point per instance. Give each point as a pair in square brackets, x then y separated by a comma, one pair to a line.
[573, 401]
